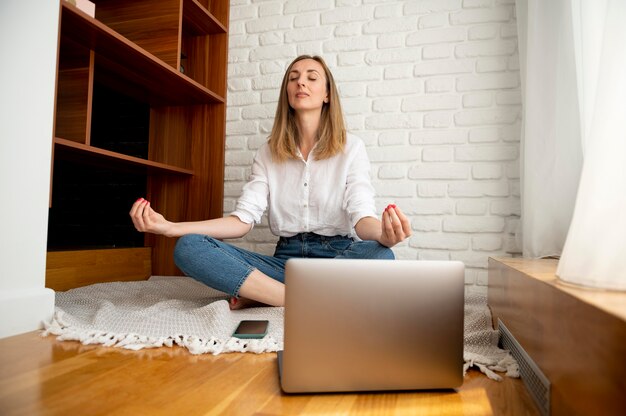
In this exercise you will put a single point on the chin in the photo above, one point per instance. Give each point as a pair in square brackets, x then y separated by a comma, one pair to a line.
[305, 108]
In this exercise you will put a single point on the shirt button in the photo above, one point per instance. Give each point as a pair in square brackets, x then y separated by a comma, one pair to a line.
[305, 184]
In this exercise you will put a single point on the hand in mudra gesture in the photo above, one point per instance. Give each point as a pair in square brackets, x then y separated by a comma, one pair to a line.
[148, 220]
[395, 226]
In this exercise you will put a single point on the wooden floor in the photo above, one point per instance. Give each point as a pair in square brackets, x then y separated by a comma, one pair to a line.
[43, 376]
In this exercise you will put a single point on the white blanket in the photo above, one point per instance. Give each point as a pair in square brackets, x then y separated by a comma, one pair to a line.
[164, 311]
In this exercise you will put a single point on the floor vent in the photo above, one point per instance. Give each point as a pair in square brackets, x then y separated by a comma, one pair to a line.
[536, 382]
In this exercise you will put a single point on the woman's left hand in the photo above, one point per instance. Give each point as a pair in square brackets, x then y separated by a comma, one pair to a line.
[395, 226]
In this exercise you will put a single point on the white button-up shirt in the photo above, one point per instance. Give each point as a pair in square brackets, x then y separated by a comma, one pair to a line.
[327, 197]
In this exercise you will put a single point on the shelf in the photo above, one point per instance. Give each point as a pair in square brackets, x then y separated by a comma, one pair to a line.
[82, 150]
[70, 269]
[199, 20]
[140, 111]
[155, 82]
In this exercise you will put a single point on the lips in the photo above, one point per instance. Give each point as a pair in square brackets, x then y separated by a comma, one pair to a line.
[301, 94]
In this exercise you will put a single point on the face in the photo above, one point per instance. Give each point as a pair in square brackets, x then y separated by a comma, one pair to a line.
[306, 86]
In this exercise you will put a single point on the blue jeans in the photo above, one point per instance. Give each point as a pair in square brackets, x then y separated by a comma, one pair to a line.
[225, 267]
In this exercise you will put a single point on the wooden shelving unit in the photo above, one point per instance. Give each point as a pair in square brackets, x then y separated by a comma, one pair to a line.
[141, 99]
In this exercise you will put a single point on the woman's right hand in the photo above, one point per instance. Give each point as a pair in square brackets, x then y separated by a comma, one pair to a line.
[148, 220]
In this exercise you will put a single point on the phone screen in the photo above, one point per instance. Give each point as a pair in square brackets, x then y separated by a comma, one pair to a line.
[251, 329]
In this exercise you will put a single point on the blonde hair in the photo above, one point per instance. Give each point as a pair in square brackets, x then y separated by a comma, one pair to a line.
[285, 138]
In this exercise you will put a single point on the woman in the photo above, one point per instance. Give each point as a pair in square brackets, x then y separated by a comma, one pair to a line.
[313, 178]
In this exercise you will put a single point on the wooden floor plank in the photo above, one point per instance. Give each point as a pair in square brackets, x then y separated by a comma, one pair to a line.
[43, 376]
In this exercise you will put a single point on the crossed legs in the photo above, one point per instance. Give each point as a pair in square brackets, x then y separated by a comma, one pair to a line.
[249, 278]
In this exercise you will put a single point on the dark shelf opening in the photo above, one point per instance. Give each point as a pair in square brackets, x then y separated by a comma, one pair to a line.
[90, 206]
[119, 123]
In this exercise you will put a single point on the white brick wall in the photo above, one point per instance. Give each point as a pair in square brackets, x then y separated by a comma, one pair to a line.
[431, 86]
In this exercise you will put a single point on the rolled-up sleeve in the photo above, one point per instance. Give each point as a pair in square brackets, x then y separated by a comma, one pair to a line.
[253, 200]
[359, 195]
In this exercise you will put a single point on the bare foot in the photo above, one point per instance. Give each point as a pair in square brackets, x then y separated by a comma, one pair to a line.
[242, 303]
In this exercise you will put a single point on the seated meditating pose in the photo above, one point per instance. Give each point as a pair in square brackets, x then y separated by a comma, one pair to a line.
[312, 177]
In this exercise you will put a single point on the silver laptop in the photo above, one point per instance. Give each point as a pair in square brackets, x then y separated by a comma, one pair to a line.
[372, 325]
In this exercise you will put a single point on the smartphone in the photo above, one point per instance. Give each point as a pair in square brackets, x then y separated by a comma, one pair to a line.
[251, 329]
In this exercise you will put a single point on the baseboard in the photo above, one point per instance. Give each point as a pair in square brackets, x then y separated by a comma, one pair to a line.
[535, 381]
[25, 310]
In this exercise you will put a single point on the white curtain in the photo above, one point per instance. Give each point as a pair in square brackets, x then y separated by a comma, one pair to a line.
[551, 144]
[595, 250]
[573, 55]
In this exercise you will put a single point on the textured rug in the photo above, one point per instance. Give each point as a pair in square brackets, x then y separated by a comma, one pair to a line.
[168, 311]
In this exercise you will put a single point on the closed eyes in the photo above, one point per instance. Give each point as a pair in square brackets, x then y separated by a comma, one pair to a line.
[313, 75]
[296, 78]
